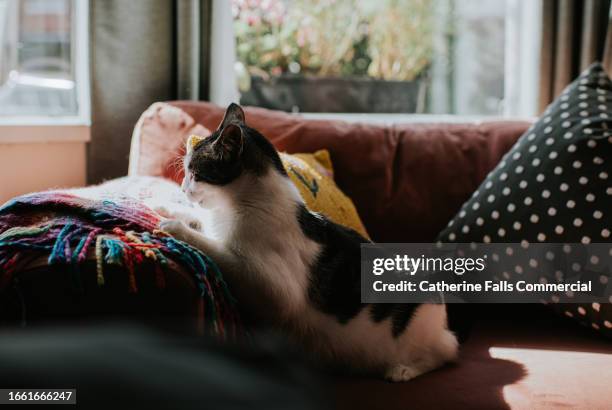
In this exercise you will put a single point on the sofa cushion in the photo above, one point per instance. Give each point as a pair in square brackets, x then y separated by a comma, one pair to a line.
[407, 180]
[509, 365]
[553, 186]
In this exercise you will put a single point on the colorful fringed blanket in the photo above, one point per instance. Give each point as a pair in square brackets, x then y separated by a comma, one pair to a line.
[68, 229]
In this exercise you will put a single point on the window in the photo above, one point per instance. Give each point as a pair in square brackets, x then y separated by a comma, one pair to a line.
[468, 57]
[43, 62]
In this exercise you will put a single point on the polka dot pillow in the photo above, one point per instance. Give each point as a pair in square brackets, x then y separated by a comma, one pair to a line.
[553, 185]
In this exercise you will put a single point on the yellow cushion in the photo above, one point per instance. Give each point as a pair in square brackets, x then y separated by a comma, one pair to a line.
[312, 174]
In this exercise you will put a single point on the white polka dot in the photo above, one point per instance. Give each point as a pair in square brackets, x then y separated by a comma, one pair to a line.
[603, 175]
[465, 229]
[563, 187]
[545, 194]
[536, 162]
[591, 143]
[519, 169]
[540, 177]
[531, 137]
[577, 164]
[586, 121]
[516, 156]
[509, 251]
[552, 211]
[501, 232]
[597, 214]
[549, 141]
[495, 215]
[581, 310]
[523, 184]
[488, 185]
[553, 155]
[576, 267]
[533, 148]
[585, 240]
[570, 204]
[608, 324]
[583, 180]
[568, 135]
[486, 239]
[596, 306]
[511, 207]
[598, 160]
[541, 237]
[603, 279]
[605, 233]
[528, 201]
[577, 222]
[558, 229]
[462, 214]
[524, 244]
[558, 170]
[479, 221]
[571, 148]
[491, 198]
[568, 313]
[475, 206]
[550, 256]
[503, 176]
[566, 124]
[590, 197]
[518, 269]
[534, 218]
[517, 226]
[451, 236]
[594, 259]
[506, 191]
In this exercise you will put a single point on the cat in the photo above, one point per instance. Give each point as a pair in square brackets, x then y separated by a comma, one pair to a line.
[294, 268]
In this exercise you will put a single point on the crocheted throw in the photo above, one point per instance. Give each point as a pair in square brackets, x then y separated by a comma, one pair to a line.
[67, 229]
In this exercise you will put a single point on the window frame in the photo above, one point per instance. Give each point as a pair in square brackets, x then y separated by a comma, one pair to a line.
[520, 85]
[73, 128]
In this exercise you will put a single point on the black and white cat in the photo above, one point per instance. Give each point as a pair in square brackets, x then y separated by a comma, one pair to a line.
[295, 268]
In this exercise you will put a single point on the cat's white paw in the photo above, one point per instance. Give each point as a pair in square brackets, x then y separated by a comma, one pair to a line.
[174, 227]
[402, 373]
[194, 224]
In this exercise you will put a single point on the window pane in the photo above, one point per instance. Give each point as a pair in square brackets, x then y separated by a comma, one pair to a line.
[37, 73]
[372, 56]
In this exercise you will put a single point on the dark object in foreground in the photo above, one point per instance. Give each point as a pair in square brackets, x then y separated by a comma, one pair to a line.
[140, 368]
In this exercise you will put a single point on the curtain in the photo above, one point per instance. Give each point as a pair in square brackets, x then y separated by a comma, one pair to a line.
[573, 36]
[141, 51]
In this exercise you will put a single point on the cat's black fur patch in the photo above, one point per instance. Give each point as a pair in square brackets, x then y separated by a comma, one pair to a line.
[335, 277]
[211, 164]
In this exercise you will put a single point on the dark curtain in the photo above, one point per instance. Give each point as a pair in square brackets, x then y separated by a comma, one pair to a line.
[573, 36]
[142, 51]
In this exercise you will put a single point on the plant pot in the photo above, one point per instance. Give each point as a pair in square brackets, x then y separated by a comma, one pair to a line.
[336, 94]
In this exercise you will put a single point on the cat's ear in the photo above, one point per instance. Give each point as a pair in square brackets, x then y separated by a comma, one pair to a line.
[233, 115]
[192, 141]
[230, 141]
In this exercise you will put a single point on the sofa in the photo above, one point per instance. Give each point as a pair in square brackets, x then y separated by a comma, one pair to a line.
[407, 181]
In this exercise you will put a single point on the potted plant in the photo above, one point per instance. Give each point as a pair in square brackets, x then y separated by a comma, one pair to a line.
[333, 55]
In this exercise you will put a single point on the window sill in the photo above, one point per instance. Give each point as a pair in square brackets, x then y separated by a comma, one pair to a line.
[388, 119]
[43, 130]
